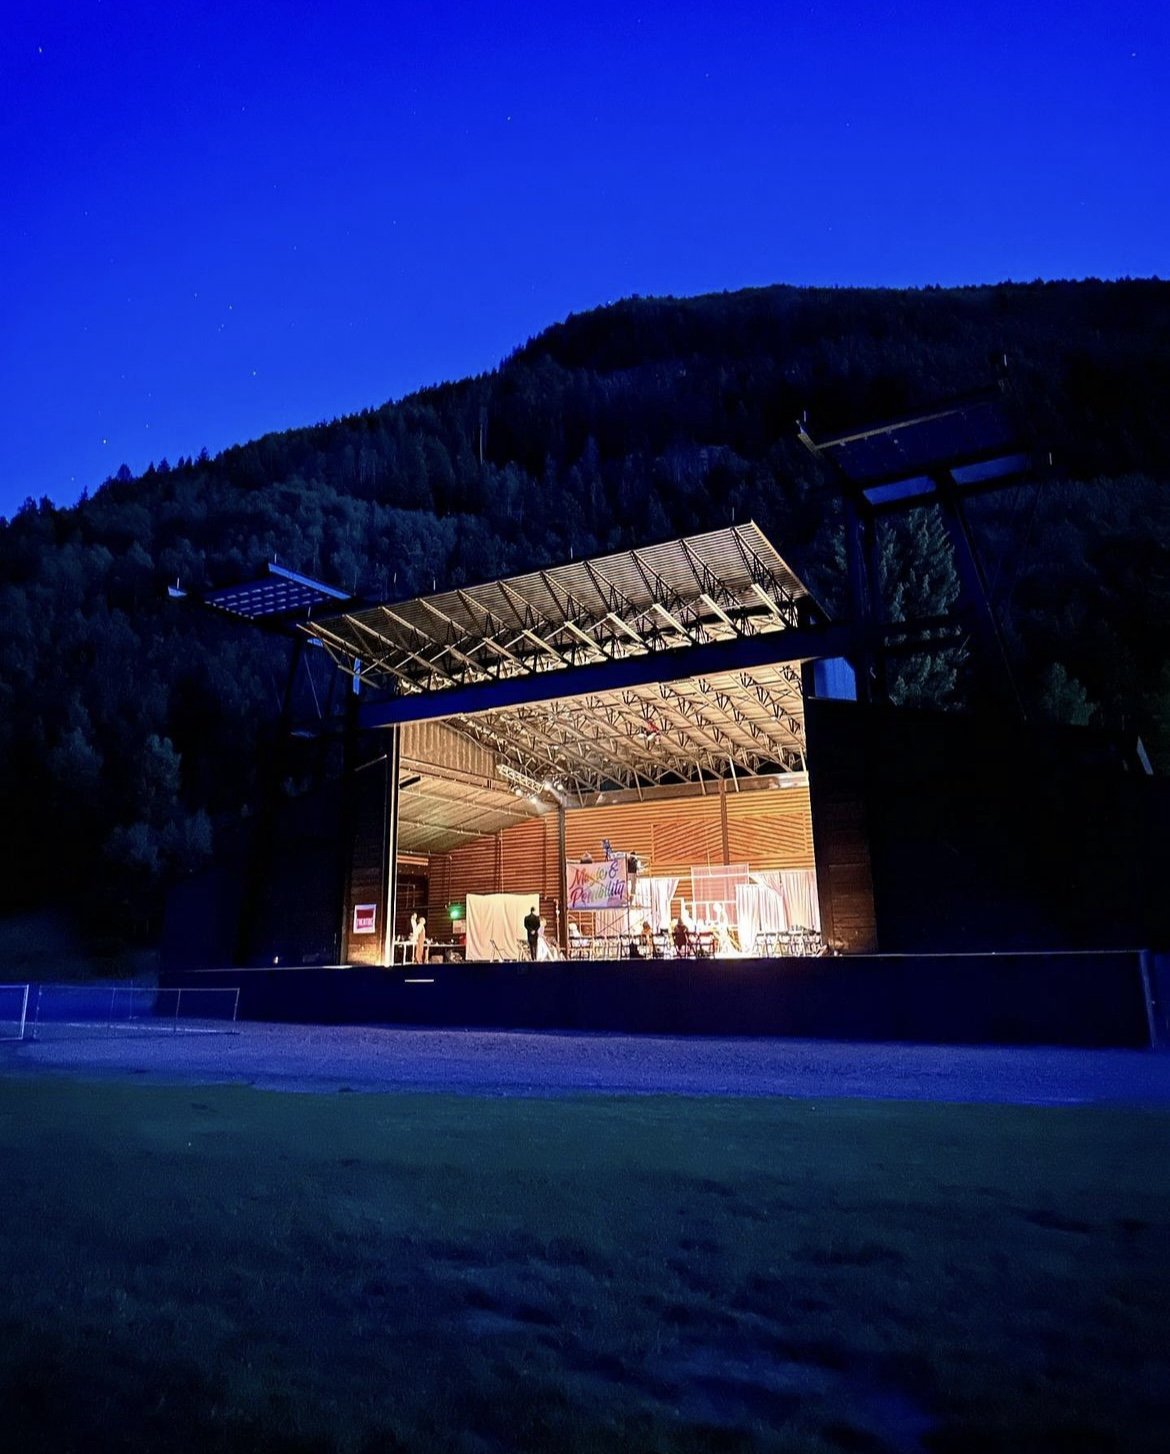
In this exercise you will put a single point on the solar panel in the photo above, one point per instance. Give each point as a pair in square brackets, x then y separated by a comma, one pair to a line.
[977, 436]
[280, 594]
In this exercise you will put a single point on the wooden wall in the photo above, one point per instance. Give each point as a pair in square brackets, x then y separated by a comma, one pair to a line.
[517, 860]
[765, 829]
[840, 821]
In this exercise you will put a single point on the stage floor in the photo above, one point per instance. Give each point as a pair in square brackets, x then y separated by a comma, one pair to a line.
[1091, 999]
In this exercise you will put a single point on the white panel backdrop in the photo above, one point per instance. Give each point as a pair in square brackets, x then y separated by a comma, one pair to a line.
[498, 919]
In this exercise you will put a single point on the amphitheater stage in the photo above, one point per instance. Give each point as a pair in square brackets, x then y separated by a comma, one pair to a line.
[1096, 999]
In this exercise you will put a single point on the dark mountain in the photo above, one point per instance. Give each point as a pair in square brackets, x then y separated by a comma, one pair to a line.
[130, 728]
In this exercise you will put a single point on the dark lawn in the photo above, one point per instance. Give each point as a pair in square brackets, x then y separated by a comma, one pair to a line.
[222, 1268]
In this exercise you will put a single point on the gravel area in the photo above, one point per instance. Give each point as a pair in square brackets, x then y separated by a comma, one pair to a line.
[350, 1058]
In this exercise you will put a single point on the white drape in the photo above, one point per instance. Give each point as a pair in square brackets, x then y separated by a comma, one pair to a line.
[497, 919]
[797, 888]
[758, 910]
[610, 922]
[659, 895]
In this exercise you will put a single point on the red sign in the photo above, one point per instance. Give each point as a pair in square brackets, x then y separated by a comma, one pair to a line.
[365, 918]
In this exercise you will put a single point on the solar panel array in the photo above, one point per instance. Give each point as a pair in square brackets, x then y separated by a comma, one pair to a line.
[282, 594]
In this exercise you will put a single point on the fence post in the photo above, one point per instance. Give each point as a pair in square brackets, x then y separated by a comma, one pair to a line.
[1155, 976]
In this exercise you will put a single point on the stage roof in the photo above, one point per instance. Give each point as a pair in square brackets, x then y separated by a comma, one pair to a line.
[669, 663]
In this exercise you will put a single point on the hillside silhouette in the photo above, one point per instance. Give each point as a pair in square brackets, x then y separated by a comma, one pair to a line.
[131, 727]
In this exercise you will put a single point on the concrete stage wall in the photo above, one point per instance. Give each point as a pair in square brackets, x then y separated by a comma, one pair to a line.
[1094, 999]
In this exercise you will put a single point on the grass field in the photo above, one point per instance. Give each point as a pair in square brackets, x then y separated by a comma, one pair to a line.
[222, 1268]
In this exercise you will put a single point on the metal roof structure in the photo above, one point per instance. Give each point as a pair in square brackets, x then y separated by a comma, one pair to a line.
[938, 456]
[452, 792]
[971, 442]
[673, 663]
[437, 813]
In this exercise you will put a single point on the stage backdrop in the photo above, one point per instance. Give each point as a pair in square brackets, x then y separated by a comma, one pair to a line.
[495, 924]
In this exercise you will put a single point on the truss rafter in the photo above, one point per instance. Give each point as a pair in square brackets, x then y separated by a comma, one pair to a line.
[727, 589]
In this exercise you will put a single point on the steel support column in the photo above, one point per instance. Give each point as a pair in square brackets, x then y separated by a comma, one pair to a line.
[860, 599]
[390, 844]
[975, 595]
[562, 882]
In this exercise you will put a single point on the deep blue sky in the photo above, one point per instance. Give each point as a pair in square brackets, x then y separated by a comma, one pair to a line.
[218, 219]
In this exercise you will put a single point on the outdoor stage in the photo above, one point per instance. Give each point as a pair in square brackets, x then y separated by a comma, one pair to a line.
[662, 744]
[1088, 999]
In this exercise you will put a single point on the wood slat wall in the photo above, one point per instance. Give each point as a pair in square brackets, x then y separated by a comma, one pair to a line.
[766, 830]
[770, 830]
[517, 860]
[670, 836]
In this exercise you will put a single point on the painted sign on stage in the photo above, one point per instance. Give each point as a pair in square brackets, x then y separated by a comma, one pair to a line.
[364, 918]
[598, 885]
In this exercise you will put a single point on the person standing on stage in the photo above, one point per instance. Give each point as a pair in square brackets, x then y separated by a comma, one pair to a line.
[532, 929]
[418, 938]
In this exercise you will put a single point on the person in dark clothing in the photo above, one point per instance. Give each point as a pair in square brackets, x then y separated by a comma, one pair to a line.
[532, 929]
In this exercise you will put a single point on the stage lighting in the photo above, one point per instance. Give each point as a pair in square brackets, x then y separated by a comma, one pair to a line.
[520, 780]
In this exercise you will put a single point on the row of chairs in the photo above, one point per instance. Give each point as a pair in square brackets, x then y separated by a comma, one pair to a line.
[790, 943]
[701, 944]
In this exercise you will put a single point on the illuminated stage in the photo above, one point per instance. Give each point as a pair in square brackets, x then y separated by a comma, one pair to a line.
[689, 710]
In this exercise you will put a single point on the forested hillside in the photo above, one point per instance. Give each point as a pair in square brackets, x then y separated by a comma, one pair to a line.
[130, 727]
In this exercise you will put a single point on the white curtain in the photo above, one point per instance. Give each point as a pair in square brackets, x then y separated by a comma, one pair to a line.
[498, 919]
[797, 888]
[610, 922]
[747, 914]
[800, 899]
[656, 895]
[759, 910]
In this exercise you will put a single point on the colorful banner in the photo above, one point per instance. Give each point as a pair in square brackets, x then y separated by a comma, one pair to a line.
[598, 885]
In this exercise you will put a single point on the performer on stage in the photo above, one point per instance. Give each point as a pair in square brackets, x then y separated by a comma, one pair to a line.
[418, 938]
[724, 943]
[532, 929]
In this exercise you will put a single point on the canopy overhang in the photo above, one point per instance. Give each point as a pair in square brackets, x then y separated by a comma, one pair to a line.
[969, 445]
[660, 665]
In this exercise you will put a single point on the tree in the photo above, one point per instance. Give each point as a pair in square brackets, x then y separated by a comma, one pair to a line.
[1062, 698]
